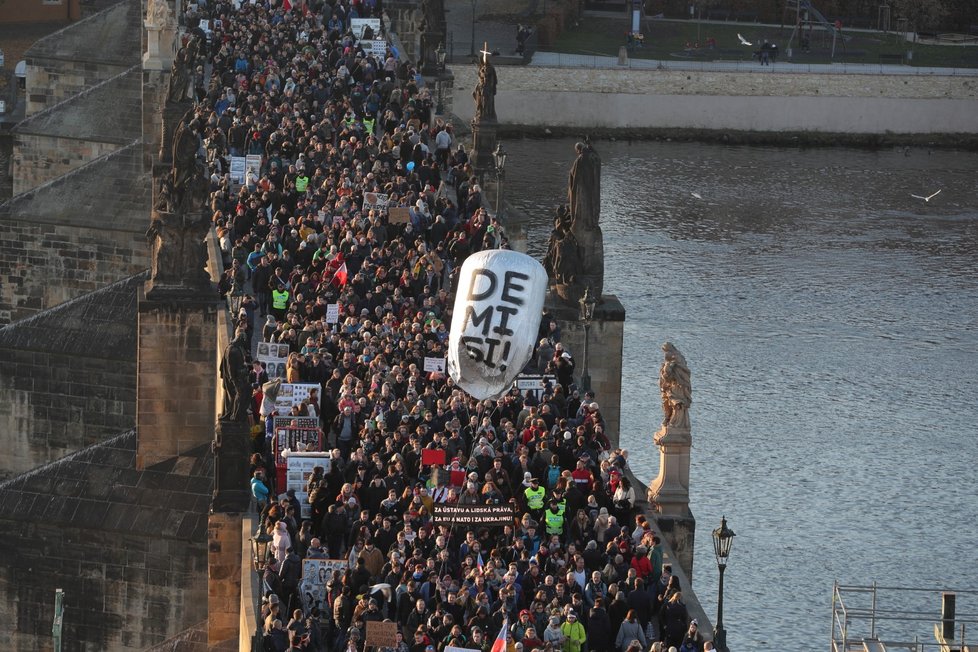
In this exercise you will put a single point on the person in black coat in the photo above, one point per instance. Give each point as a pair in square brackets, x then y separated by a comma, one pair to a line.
[617, 611]
[673, 620]
[641, 602]
[599, 632]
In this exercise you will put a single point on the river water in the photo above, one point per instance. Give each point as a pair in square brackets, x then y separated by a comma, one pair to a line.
[831, 325]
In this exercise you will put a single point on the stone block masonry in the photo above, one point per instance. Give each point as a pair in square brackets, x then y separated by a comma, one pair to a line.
[38, 159]
[176, 368]
[538, 97]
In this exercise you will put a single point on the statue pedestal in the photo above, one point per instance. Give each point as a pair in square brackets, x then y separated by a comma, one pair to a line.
[232, 444]
[670, 489]
[483, 145]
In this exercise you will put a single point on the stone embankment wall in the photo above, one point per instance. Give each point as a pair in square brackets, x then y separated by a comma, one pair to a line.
[539, 98]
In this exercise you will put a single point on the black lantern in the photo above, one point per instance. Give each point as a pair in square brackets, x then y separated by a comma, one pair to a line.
[722, 542]
[261, 551]
[587, 304]
[442, 55]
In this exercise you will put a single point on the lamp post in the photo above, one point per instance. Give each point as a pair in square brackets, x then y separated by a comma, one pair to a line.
[722, 541]
[472, 48]
[260, 551]
[441, 55]
[587, 303]
[499, 156]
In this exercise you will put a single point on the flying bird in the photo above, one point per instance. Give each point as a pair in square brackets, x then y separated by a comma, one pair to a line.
[928, 197]
[744, 41]
[697, 195]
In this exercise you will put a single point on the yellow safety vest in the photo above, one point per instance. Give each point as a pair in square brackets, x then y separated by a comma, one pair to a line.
[534, 499]
[301, 183]
[555, 522]
[280, 300]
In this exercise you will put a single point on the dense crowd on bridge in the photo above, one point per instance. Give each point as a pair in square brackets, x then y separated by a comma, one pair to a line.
[577, 570]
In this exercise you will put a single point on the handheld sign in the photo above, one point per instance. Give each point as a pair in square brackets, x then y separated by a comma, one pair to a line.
[498, 308]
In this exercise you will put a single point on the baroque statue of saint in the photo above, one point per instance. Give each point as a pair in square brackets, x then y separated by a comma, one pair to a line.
[234, 379]
[485, 92]
[674, 384]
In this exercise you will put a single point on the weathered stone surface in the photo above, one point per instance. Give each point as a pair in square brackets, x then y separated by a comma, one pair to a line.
[82, 55]
[128, 548]
[65, 136]
[67, 389]
[53, 250]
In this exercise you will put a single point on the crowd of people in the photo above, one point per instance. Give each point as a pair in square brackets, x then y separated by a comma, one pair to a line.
[337, 126]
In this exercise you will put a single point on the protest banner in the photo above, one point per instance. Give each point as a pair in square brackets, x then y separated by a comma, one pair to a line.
[535, 384]
[299, 468]
[357, 25]
[376, 47]
[274, 356]
[294, 394]
[381, 634]
[376, 200]
[471, 514]
[238, 170]
[332, 313]
[399, 215]
[431, 456]
[315, 574]
[434, 364]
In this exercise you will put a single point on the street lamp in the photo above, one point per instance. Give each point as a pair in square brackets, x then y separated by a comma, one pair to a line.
[472, 49]
[587, 303]
[499, 156]
[722, 541]
[442, 55]
[261, 551]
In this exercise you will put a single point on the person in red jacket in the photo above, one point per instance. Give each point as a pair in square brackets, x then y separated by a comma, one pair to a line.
[641, 563]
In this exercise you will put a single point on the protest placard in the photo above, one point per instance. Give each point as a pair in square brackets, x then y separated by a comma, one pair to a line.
[381, 634]
[434, 364]
[299, 468]
[238, 170]
[376, 200]
[274, 356]
[376, 47]
[332, 313]
[294, 394]
[399, 215]
[469, 514]
[357, 25]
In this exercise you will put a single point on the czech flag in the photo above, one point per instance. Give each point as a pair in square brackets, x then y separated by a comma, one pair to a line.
[499, 645]
[341, 276]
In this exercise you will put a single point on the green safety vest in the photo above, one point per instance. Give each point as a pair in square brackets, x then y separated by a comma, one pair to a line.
[555, 522]
[534, 499]
[368, 126]
[301, 183]
[280, 300]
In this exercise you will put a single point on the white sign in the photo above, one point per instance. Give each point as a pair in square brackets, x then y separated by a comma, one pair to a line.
[253, 162]
[299, 467]
[434, 364]
[357, 26]
[238, 170]
[332, 313]
[293, 394]
[274, 356]
[377, 48]
[497, 314]
[377, 200]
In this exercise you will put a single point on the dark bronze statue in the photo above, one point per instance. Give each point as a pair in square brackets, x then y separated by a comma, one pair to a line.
[575, 257]
[234, 378]
[180, 86]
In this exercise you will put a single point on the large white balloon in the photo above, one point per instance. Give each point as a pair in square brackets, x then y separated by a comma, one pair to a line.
[495, 321]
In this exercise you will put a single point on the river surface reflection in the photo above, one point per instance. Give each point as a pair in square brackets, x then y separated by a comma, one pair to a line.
[831, 325]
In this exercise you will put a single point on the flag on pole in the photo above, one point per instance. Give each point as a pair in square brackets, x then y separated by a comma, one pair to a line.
[499, 645]
[341, 276]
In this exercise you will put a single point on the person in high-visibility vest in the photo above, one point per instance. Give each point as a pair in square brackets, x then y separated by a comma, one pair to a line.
[301, 182]
[280, 302]
[554, 519]
[535, 495]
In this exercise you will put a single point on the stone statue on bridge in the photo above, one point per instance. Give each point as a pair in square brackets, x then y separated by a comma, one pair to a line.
[677, 393]
[180, 221]
[234, 379]
[485, 91]
[577, 237]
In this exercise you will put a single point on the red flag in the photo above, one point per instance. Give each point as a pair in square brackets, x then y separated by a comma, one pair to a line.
[499, 645]
[341, 276]
[430, 456]
[286, 5]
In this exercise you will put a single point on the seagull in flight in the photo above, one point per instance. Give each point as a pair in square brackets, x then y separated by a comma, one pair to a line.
[928, 197]
[696, 195]
[744, 41]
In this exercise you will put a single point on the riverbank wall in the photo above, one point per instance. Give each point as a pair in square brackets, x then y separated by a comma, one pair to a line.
[715, 105]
